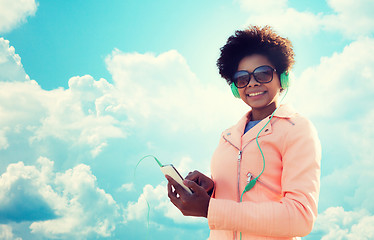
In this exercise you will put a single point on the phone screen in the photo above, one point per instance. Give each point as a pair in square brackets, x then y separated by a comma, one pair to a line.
[171, 171]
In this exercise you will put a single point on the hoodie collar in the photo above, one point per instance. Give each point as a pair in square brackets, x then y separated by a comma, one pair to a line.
[284, 111]
[235, 133]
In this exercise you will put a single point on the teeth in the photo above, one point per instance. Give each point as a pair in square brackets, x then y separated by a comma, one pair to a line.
[255, 94]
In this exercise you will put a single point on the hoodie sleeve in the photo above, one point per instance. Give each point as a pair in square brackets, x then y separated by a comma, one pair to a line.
[295, 213]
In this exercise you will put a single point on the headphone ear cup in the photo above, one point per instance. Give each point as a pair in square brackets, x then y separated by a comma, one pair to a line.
[285, 80]
[234, 90]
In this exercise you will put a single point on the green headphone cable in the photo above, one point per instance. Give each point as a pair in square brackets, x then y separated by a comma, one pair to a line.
[248, 187]
[251, 184]
[148, 206]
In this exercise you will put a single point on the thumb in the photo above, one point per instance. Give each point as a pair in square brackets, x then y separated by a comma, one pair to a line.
[193, 186]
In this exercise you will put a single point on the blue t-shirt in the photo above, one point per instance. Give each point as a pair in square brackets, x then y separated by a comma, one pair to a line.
[250, 125]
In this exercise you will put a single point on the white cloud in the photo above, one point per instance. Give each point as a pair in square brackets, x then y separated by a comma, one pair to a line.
[78, 115]
[21, 106]
[3, 140]
[270, 6]
[352, 18]
[285, 20]
[147, 89]
[61, 114]
[338, 93]
[159, 204]
[185, 164]
[162, 89]
[157, 198]
[340, 86]
[289, 22]
[350, 185]
[82, 115]
[14, 12]
[128, 187]
[337, 224]
[59, 205]
[21, 182]
[139, 210]
[85, 209]
[6, 233]
[11, 68]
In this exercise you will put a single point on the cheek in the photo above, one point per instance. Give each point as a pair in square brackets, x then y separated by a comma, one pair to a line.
[277, 83]
[274, 87]
[242, 92]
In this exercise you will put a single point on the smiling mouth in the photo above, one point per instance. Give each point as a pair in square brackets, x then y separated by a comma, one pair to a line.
[255, 94]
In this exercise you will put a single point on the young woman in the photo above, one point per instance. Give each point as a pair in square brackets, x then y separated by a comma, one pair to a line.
[266, 168]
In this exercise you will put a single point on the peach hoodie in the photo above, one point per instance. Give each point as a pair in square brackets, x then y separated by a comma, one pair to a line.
[283, 203]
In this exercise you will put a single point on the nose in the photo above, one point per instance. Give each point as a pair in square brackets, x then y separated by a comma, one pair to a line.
[252, 81]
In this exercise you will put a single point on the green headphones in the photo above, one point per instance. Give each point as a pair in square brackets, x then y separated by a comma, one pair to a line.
[284, 80]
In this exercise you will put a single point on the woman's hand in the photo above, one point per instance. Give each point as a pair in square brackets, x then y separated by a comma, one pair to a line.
[202, 181]
[195, 204]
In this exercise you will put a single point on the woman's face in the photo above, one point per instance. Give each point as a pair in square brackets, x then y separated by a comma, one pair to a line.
[261, 97]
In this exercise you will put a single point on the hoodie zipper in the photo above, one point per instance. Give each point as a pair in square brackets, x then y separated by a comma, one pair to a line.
[239, 163]
[240, 155]
[249, 175]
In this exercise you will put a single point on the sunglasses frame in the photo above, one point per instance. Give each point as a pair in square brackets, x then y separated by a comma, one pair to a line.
[254, 76]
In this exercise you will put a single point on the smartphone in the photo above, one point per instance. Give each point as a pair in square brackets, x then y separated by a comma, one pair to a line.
[173, 173]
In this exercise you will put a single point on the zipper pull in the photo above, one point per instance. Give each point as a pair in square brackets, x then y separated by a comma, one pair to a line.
[249, 175]
[240, 155]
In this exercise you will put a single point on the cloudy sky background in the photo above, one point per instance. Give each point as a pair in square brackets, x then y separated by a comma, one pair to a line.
[87, 88]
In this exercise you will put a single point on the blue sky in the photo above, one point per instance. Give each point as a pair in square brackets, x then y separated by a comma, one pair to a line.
[87, 88]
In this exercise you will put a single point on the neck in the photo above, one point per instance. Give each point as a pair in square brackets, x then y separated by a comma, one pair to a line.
[259, 114]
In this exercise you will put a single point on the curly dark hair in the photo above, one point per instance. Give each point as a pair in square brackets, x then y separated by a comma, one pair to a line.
[255, 40]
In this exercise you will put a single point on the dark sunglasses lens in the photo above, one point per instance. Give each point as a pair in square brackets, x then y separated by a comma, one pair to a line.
[263, 74]
[241, 79]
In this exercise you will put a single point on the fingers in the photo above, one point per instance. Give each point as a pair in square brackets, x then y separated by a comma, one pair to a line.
[178, 189]
[201, 180]
[195, 204]
[193, 176]
[194, 186]
[171, 193]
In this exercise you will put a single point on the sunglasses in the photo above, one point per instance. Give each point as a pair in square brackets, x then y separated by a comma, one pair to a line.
[262, 74]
